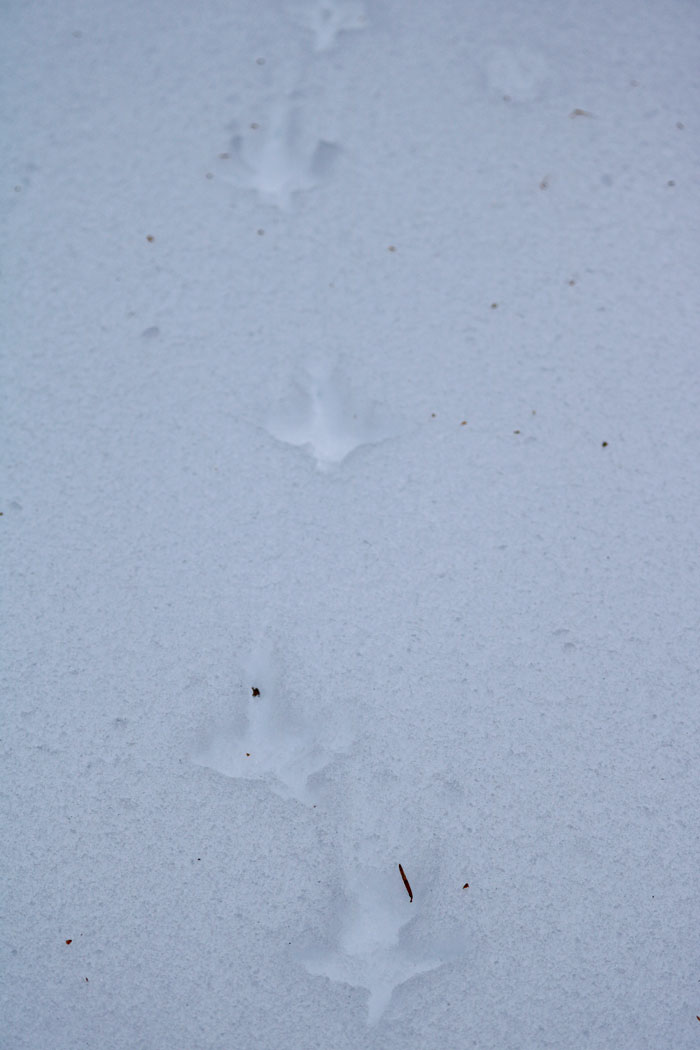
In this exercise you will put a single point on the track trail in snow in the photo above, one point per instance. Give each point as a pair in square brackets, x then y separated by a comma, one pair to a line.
[381, 938]
[380, 935]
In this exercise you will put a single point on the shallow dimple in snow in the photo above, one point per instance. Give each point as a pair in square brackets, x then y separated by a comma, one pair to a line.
[324, 415]
[371, 952]
[519, 73]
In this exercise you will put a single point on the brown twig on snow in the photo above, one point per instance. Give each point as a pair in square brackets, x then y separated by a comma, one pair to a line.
[406, 883]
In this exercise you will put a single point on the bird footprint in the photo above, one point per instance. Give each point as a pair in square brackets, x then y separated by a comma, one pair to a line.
[324, 415]
[326, 19]
[276, 159]
[277, 746]
[374, 950]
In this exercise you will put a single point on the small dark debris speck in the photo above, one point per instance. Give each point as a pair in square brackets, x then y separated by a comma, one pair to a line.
[254, 690]
[604, 444]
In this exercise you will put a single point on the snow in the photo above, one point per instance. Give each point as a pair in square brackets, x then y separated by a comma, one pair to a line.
[351, 399]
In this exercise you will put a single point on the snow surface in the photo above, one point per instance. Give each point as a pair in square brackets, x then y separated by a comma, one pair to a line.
[351, 520]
